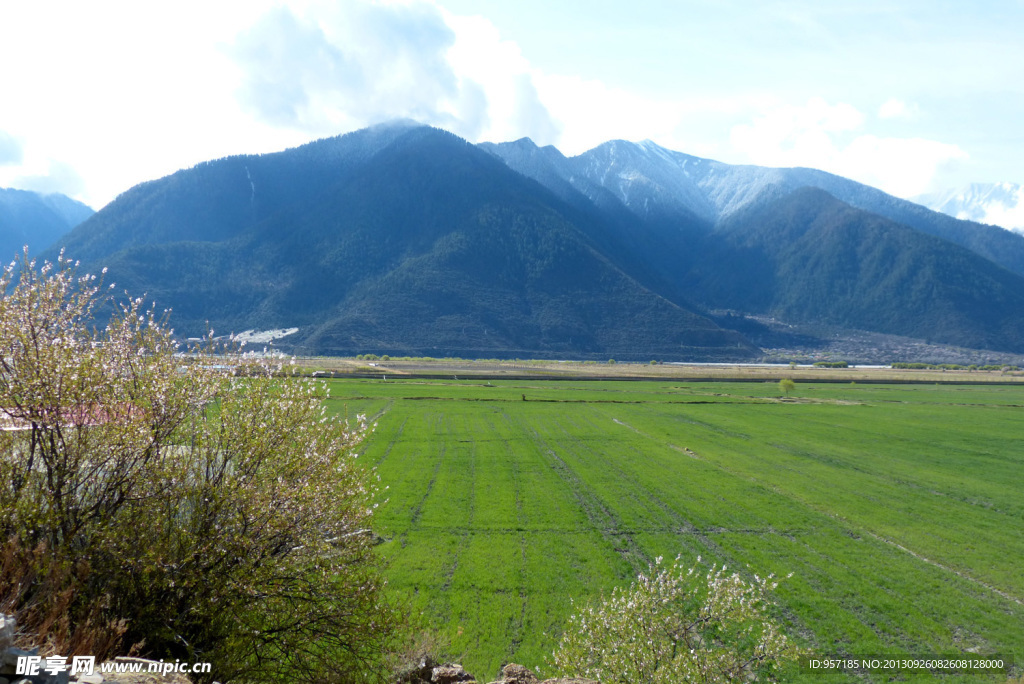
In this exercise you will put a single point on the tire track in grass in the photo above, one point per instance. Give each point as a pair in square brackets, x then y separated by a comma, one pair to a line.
[683, 526]
[612, 530]
[376, 416]
[961, 575]
[372, 422]
[844, 522]
[430, 487]
[515, 628]
[391, 444]
[870, 615]
[541, 400]
[418, 509]
[683, 450]
[702, 536]
[518, 626]
[843, 525]
[601, 518]
[467, 530]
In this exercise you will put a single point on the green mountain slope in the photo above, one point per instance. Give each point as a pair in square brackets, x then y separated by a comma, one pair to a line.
[406, 239]
[28, 218]
[412, 242]
[810, 258]
[218, 200]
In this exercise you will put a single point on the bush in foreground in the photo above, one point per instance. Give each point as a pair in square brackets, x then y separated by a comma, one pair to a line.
[188, 506]
[677, 625]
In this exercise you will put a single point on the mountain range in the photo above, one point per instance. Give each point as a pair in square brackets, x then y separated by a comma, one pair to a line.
[656, 183]
[36, 220]
[404, 239]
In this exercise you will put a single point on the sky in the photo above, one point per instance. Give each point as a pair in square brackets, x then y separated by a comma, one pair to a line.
[910, 96]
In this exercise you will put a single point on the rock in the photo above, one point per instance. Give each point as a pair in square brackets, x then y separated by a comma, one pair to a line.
[142, 677]
[7, 630]
[10, 655]
[429, 671]
[450, 673]
[517, 674]
[90, 679]
[420, 673]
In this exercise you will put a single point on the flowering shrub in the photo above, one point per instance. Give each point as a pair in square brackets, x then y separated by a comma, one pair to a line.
[677, 625]
[192, 505]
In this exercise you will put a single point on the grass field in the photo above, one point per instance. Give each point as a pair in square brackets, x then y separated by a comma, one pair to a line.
[898, 508]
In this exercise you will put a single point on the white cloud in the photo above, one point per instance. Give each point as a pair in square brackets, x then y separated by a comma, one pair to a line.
[897, 109]
[505, 79]
[1007, 212]
[118, 92]
[1011, 218]
[591, 112]
[55, 176]
[338, 66]
[904, 167]
[788, 135]
[830, 137]
[595, 113]
[569, 111]
[10, 149]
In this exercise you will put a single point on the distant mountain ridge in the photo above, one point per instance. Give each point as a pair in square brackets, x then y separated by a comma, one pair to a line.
[1000, 204]
[649, 179]
[34, 219]
[667, 190]
[406, 239]
[396, 239]
[809, 257]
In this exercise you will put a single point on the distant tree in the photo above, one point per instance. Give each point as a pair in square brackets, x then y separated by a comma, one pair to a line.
[611, 361]
[678, 625]
[787, 385]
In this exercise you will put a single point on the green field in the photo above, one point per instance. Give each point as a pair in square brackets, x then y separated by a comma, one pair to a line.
[899, 509]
